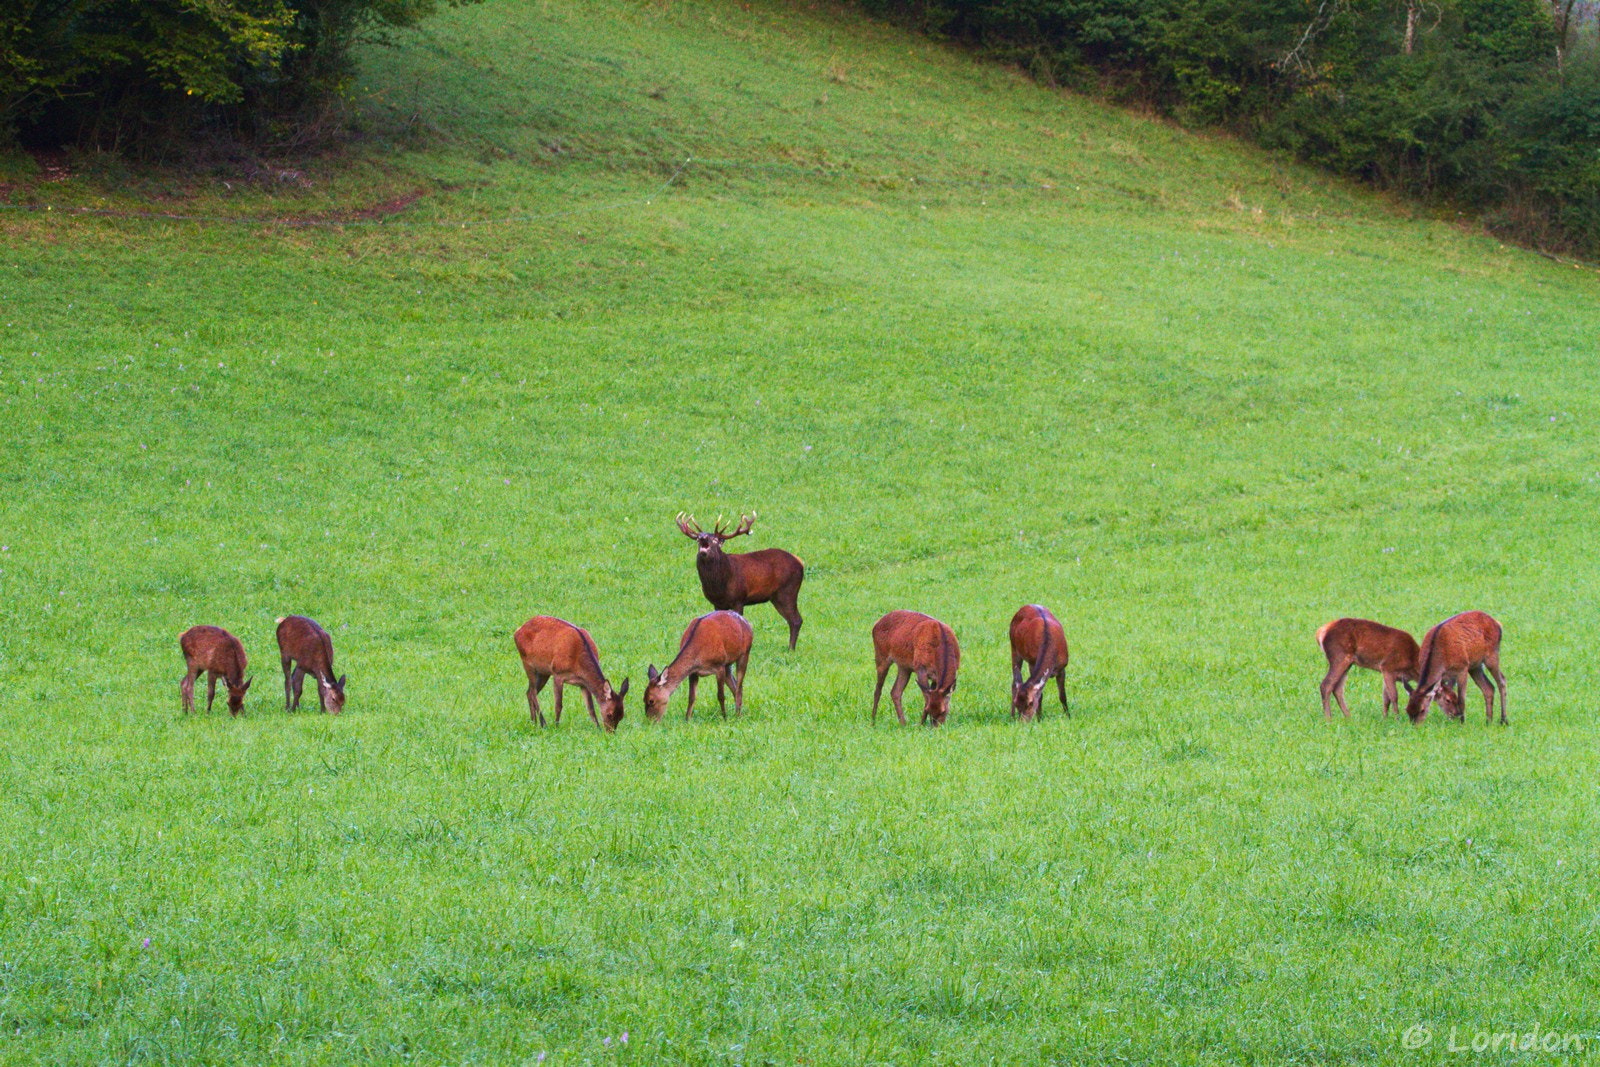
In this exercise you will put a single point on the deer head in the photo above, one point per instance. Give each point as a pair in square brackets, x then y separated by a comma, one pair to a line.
[655, 694]
[236, 694]
[332, 695]
[938, 702]
[710, 541]
[611, 705]
[1437, 693]
[1025, 699]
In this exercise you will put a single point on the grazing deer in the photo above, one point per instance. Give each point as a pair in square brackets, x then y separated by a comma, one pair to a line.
[922, 645]
[712, 646]
[218, 653]
[554, 648]
[731, 580]
[305, 648]
[1461, 645]
[1362, 643]
[1037, 637]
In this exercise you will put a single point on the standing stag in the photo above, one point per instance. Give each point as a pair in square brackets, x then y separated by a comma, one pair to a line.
[554, 648]
[730, 580]
[305, 648]
[220, 655]
[1038, 639]
[921, 645]
[1461, 645]
[712, 646]
[1362, 643]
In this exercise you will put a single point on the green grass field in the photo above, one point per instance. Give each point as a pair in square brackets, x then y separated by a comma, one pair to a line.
[964, 343]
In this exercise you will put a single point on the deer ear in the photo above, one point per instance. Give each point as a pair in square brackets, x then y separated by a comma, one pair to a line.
[246, 684]
[622, 690]
[342, 677]
[652, 673]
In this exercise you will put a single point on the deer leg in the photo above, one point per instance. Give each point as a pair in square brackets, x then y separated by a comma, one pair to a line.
[287, 663]
[211, 689]
[786, 603]
[589, 699]
[1391, 694]
[1061, 686]
[895, 690]
[738, 689]
[557, 683]
[1486, 687]
[688, 711]
[723, 680]
[1333, 685]
[883, 671]
[186, 690]
[1493, 663]
[536, 682]
[299, 681]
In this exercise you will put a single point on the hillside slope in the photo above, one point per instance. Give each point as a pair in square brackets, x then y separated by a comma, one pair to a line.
[964, 343]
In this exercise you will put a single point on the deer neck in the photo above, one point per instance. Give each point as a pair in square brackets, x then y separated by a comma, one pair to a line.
[715, 570]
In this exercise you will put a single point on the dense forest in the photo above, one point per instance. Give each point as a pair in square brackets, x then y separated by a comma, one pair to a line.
[1491, 106]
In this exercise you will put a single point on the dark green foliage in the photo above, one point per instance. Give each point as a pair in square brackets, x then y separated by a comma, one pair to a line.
[136, 73]
[1478, 111]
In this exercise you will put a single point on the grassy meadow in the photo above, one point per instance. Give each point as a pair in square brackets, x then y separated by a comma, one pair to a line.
[964, 343]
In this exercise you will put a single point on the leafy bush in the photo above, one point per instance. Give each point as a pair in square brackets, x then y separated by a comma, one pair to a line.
[136, 73]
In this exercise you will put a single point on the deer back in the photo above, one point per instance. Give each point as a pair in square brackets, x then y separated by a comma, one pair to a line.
[1371, 645]
[211, 648]
[307, 643]
[711, 641]
[1459, 643]
[1038, 637]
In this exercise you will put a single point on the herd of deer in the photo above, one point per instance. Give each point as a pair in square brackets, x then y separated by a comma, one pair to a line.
[717, 646]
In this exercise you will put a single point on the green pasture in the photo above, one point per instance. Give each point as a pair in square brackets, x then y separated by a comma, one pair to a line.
[964, 343]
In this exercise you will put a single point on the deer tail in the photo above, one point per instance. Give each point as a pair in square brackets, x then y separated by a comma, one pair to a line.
[280, 620]
[1322, 632]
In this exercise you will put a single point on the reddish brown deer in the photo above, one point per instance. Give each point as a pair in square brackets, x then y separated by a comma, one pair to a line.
[220, 655]
[919, 645]
[712, 646]
[1038, 639]
[1362, 643]
[731, 580]
[1462, 645]
[305, 648]
[554, 648]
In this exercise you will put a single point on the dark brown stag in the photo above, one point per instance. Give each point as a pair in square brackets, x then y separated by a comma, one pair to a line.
[554, 648]
[1363, 643]
[1037, 639]
[713, 646]
[1462, 645]
[731, 580]
[919, 645]
[305, 648]
[220, 655]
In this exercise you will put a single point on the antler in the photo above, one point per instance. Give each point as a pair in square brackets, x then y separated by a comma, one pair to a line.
[745, 522]
[689, 528]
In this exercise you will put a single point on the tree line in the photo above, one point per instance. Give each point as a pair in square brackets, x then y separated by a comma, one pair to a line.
[1491, 106]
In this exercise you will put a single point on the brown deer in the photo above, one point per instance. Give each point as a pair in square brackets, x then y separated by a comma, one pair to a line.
[922, 645]
[712, 646]
[1362, 643]
[1037, 637]
[305, 648]
[220, 655]
[1462, 645]
[731, 580]
[554, 648]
